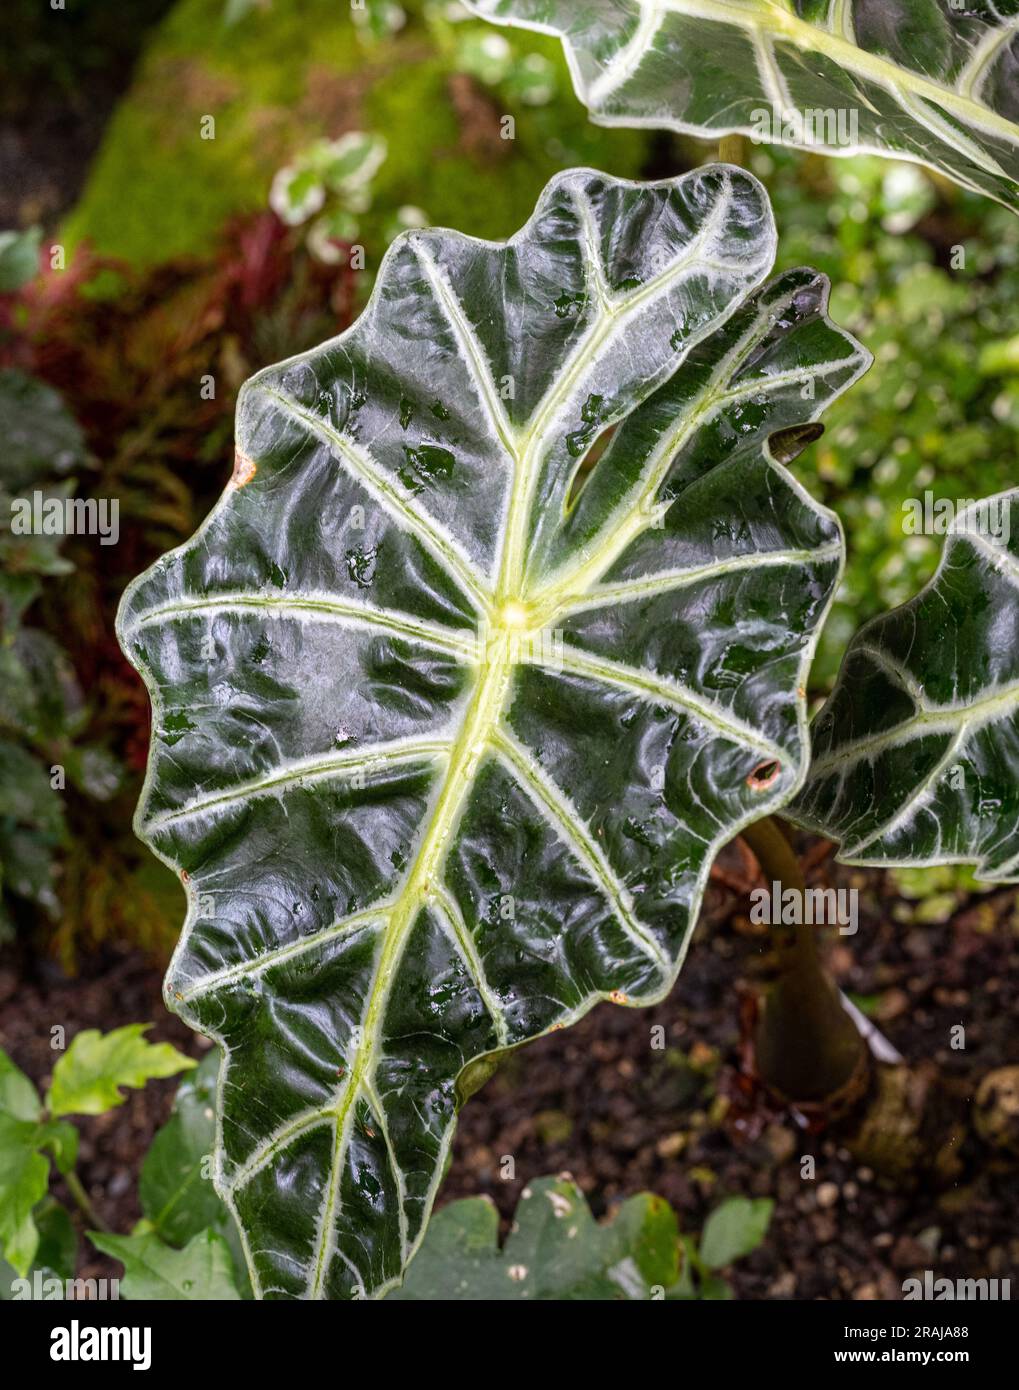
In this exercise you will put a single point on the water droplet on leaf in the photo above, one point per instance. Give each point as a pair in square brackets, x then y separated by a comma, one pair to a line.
[361, 565]
[424, 465]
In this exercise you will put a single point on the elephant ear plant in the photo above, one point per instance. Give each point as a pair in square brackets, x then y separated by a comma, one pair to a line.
[927, 80]
[916, 758]
[499, 632]
[914, 763]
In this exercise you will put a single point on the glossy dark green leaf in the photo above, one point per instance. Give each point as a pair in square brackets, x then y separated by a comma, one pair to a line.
[444, 744]
[154, 1271]
[916, 753]
[554, 1251]
[928, 80]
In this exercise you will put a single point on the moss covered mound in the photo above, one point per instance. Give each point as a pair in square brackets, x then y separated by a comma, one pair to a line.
[292, 70]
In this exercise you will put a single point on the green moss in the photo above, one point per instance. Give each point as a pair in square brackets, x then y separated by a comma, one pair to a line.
[287, 74]
[487, 195]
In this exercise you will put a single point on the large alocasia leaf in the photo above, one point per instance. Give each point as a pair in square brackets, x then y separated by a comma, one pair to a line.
[442, 748]
[928, 80]
[916, 753]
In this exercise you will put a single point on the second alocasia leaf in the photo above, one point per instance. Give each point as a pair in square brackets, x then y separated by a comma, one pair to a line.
[916, 753]
[929, 80]
[443, 747]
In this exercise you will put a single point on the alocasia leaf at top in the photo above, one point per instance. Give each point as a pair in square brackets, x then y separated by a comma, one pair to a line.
[929, 80]
[443, 748]
[916, 753]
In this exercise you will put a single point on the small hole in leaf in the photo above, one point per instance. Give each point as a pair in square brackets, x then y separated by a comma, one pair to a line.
[592, 454]
[764, 775]
[785, 445]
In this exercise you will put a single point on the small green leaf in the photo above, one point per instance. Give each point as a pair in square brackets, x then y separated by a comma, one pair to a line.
[177, 1193]
[178, 1199]
[58, 1240]
[556, 1251]
[202, 1272]
[24, 1178]
[18, 1097]
[351, 162]
[25, 792]
[55, 1258]
[87, 1078]
[24, 1166]
[733, 1230]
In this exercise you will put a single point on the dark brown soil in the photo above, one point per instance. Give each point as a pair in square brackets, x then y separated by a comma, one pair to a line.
[601, 1102]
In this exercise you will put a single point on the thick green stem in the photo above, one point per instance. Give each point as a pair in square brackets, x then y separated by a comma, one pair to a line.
[77, 1191]
[808, 1048]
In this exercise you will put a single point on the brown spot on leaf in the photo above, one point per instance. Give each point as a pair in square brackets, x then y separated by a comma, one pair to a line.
[764, 775]
[244, 470]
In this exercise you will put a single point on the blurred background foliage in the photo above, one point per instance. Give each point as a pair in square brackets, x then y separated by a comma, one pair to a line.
[186, 270]
[928, 278]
